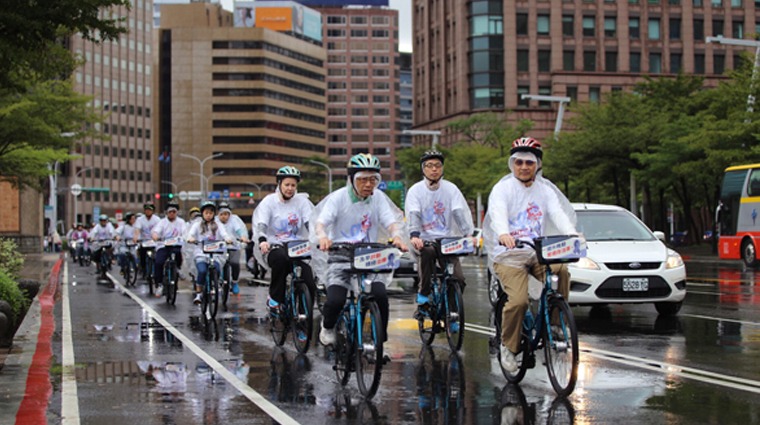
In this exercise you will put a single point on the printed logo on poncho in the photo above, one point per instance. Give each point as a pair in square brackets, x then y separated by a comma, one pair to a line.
[287, 227]
[434, 218]
[527, 223]
[360, 232]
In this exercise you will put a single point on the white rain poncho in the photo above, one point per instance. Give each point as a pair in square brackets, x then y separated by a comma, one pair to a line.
[543, 211]
[344, 218]
[280, 221]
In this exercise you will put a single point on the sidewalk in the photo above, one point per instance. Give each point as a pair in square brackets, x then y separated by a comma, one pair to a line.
[702, 253]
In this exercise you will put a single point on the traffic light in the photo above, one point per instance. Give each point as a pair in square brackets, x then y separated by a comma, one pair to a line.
[170, 196]
[157, 196]
[250, 194]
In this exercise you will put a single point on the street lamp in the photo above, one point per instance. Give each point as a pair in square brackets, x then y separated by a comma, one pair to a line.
[53, 199]
[434, 133]
[201, 163]
[562, 100]
[329, 173]
[743, 43]
[76, 197]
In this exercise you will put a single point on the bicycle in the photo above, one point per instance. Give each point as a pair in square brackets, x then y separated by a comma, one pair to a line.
[227, 274]
[130, 266]
[104, 265]
[360, 332]
[446, 310]
[296, 313]
[559, 340]
[81, 253]
[149, 247]
[171, 271]
[210, 288]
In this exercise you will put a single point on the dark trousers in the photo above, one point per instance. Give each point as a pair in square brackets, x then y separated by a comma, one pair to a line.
[161, 256]
[336, 298]
[281, 266]
[428, 257]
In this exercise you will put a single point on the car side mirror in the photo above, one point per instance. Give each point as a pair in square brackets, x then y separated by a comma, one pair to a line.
[659, 235]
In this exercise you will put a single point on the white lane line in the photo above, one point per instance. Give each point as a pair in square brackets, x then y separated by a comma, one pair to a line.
[654, 365]
[69, 399]
[720, 319]
[270, 409]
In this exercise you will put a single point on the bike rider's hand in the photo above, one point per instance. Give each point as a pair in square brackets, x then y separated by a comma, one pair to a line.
[228, 241]
[264, 247]
[398, 243]
[190, 240]
[417, 243]
[324, 244]
[507, 240]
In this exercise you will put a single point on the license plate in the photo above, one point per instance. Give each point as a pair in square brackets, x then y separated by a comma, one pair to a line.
[636, 284]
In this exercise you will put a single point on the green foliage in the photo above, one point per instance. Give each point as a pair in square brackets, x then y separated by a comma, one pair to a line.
[315, 179]
[10, 293]
[11, 261]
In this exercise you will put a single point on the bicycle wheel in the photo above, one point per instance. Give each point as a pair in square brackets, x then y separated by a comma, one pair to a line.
[149, 268]
[170, 283]
[494, 288]
[454, 315]
[561, 349]
[302, 317]
[213, 305]
[426, 325]
[525, 355]
[343, 350]
[132, 270]
[226, 282]
[369, 350]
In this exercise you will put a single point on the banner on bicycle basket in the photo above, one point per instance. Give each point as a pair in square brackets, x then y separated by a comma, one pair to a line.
[560, 249]
[377, 259]
[299, 249]
[173, 242]
[215, 247]
[148, 244]
[457, 246]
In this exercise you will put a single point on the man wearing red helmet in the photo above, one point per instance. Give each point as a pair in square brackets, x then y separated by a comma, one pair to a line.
[523, 205]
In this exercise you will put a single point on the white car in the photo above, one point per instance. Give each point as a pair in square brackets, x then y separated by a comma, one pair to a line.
[626, 262]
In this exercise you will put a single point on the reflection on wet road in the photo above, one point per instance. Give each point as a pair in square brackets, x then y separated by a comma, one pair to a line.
[139, 359]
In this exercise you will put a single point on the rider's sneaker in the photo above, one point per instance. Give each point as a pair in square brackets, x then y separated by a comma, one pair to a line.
[508, 361]
[327, 336]
[422, 299]
[273, 305]
[159, 291]
[301, 335]
[197, 300]
[235, 288]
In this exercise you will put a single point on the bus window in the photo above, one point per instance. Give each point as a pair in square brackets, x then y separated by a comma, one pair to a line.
[753, 188]
[730, 196]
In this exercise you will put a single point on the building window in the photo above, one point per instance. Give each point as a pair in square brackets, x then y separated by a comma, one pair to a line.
[542, 25]
[568, 60]
[633, 28]
[610, 61]
[635, 62]
[737, 29]
[594, 94]
[697, 3]
[521, 90]
[716, 3]
[572, 92]
[522, 60]
[589, 61]
[675, 29]
[487, 25]
[655, 63]
[675, 63]
[719, 63]
[544, 91]
[736, 3]
[522, 24]
[717, 27]
[699, 30]
[609, 27]
[568, 25]
[544, 60]
[589, 26]
[699, 63]
[653, 29]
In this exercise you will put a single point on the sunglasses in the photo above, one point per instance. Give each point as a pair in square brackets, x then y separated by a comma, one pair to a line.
[528, 162]
[433, 165]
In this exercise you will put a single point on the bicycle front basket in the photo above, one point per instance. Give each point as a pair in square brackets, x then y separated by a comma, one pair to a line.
[560, 249]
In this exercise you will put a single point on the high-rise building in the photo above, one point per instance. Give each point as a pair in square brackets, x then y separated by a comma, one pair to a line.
[157, 4]
[483, 55]
[235, 103]
[116, 173]
[406, 99]
[363, 83]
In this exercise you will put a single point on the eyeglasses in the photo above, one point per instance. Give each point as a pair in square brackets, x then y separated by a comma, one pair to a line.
[365, 180]
[431, 165]
[528, 162]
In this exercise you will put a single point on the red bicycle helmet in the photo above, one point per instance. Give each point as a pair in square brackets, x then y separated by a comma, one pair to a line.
[527, 144]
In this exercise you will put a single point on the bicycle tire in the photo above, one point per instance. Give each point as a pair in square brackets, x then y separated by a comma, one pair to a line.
[454, 319]
[149, 266]
[302, 322]
[369, 350]
[426, 327]
[522, 357]
[170, 284]
[213, 291]
[226, 282]
[494, 288]
[132, 267]
[343, 350]
[562, 354]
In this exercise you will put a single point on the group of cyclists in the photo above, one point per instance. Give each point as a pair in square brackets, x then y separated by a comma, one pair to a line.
[522, 206]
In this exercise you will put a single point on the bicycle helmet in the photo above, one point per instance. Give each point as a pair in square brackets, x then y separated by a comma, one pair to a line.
[363, 162]
[149, 206]
[527, 144]
[288, 171]
[103, 217]
[224, 206]
[208, 204]
[194, 212]
[128, 216]
[428, 155]
[172, 204]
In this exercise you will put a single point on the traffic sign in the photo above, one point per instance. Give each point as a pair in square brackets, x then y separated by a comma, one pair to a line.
[226, 193]
[383, 185]
[395, 184]
[76, 189]
[214, 195]
[190, 195]
[183, 195]
[96, 189]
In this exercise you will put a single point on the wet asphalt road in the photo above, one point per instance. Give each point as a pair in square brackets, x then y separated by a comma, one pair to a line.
[635, 366]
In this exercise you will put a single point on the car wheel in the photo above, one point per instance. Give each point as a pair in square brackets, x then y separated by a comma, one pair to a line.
[668, 309]
[749, 254]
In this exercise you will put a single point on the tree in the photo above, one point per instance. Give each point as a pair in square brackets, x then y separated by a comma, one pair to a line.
[314, 181]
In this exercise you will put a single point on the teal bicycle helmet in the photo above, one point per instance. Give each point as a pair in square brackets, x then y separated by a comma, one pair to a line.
[363, 162]
[288, 171]
[208, 204]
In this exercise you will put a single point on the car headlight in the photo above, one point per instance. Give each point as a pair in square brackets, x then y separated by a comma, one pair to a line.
[585, 263]
[674, 260]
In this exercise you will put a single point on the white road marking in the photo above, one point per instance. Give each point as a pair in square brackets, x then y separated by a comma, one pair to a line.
[270, 409]
[69, 399]
[720, 319]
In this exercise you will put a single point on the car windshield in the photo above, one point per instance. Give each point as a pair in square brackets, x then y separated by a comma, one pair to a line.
[612, 226]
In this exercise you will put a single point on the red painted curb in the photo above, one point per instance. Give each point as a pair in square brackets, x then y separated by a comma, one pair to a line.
[33, 408]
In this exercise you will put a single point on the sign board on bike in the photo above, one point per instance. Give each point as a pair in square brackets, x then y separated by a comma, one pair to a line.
[377, 258]
[457, 246]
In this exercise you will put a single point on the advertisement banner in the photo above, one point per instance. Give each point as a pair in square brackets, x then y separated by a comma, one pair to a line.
[339, 3]
[307, 22]
[274, 18]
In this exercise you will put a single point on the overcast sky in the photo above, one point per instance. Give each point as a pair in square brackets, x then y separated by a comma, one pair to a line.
[404, 8]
